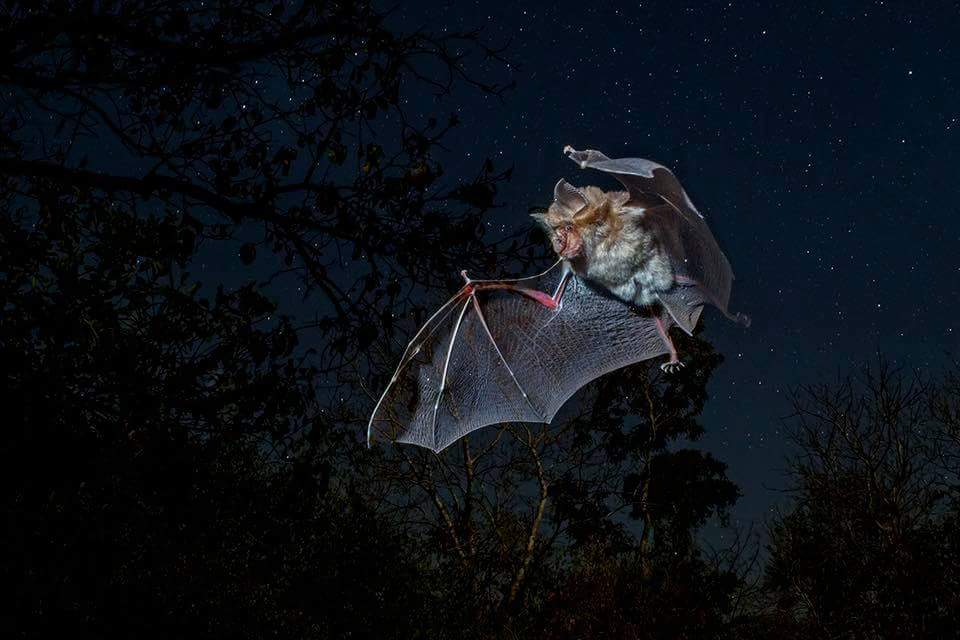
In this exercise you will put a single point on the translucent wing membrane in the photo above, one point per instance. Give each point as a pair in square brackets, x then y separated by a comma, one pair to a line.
[700, 268]
[494, 356]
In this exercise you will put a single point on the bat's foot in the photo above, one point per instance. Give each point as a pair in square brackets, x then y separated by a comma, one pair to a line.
[672, 367]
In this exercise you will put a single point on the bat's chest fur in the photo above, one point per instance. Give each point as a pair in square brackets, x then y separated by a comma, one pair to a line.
[631, 264]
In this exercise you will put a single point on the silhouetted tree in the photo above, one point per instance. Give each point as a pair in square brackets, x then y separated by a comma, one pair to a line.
[150, 485]
[278, 126]
[870, 546]
[173, 460]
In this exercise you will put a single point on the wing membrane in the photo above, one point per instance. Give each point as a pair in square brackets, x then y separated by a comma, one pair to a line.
[502, 357]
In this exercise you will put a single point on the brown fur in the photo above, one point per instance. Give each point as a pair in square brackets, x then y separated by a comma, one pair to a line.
[618, 250]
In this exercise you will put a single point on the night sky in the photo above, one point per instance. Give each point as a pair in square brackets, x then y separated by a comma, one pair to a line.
[820, 144]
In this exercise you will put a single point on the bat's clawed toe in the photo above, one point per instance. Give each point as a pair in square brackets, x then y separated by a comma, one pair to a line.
[672, 367]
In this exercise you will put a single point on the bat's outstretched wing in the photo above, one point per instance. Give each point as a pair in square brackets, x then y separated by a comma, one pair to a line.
[490, 355]
[702, 270]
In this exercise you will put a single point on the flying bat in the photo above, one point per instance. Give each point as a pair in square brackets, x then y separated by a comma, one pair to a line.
[632, 264]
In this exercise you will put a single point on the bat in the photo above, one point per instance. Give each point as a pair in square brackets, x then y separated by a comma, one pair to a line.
[631, 265]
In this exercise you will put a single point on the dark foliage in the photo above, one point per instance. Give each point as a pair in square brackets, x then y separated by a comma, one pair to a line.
[150, 487]
[174, 461]
[869, 548]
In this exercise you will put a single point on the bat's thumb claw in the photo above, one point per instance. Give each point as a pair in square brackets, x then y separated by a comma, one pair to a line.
[580, 157]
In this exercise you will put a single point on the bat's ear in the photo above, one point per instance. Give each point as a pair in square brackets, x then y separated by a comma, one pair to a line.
[568, 196]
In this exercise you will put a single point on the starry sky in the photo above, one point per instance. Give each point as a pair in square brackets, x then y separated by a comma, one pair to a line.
[819, 143]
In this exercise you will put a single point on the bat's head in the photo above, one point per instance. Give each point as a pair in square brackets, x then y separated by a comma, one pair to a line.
[578, 219]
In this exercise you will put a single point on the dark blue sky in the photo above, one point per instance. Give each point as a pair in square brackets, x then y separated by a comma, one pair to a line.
[820, 143]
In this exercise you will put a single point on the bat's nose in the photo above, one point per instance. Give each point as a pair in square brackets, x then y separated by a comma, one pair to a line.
[572, 246]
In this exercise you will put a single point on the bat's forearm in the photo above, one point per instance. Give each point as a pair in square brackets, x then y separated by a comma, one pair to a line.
[562, 286]
[547, 300]
[534, 294]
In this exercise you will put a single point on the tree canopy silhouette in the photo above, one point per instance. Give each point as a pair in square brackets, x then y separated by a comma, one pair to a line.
[280, 127]
[869, 547]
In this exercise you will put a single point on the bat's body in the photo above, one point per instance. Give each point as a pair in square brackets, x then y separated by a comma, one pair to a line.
[632, 264]
[619, 249]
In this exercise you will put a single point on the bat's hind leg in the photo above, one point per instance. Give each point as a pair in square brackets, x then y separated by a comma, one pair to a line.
[674, 364]
[741, 319]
